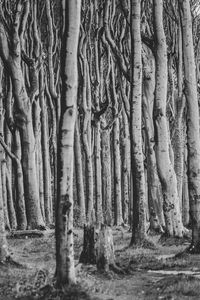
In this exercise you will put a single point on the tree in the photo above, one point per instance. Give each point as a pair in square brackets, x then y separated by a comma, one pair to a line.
[166, 171]
[193, 138]
[137, 163]
[11, 53]
[65, 273]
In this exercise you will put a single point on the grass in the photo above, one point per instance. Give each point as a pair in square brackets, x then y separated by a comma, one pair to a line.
[178, 287]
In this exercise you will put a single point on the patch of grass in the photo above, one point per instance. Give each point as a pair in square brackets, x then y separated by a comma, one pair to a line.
[179, 286]
[150, 262]
[174, 241]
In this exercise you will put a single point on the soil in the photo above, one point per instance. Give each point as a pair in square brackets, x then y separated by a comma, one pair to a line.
[147, 273]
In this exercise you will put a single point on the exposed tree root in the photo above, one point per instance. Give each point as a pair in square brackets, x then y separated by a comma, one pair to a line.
[11, 262]
[116, 269]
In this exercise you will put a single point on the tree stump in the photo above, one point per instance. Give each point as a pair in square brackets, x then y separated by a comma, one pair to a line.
[105, 249]
[88, 255]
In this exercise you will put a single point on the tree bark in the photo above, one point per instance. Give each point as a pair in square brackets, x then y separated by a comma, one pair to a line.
[79, 174]
[65, 271]
[166, 172]
[12, 60]
[193, 137]
[137, 164]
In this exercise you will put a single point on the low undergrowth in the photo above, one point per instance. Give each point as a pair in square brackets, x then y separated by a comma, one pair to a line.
[177, 287]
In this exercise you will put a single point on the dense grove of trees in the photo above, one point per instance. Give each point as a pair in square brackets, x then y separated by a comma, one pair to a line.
[99, 119]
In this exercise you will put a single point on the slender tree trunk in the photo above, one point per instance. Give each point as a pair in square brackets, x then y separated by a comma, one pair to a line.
[117, 175]
[193, 137]
[106, 176]
[79, 174]
[65, 272]
[125, 141]
[11, 209]
[3, 242]
[137, 164]
[45, 153]
[20, 202]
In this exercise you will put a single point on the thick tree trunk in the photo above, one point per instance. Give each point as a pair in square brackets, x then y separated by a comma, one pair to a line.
[65, 272]
[31, 189]
[105, 249]
[88, 254]
[137, 164]
[155, 198]
[166, 172]
[193, 137]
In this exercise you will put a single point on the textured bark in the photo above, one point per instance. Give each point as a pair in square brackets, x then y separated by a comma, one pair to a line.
[86, 128]
[20, 202]
[88, 254]
[118, 220]
[3, 243]
[193, 137]
[166, 172]
[45, 153]
[106, 176]
[137, 164]
[105, 249]
[155, 197]
[11, 209]
[79, 174]
[185, 201]
[65, 271]
[11, 56]
[125, 142]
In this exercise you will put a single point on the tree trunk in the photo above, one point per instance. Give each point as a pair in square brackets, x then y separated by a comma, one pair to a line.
[125, 141]
[98, 179]
[79, 175]
[3, 243]
[155, 197]
[117, 175]
[23, 116]
[88, 254]
[106, 176]
[118, 220]
[105, 249]
[137, 164]
[166, 172]
[45, 153]
[65, 272]
[20, 202]
[193, 138]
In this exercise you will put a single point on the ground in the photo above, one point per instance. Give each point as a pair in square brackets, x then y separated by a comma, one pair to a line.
[147, 273]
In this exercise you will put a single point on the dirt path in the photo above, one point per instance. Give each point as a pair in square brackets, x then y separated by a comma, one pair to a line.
[149, 272]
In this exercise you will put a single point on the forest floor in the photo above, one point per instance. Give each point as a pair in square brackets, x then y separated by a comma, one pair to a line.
[150, 274]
